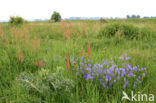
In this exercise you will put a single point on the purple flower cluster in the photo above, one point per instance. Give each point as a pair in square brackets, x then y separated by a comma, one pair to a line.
[109, 73]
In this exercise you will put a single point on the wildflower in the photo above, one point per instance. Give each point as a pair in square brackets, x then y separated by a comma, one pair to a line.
[126, 82]
[74, 62]
[82, 71]
[108, 72]
[124, 86]
[77, 73]
[127, 58]
[124, 79]
[88, 68]
[89, 65]
[118, 77]
[138, 80]
[143, 74]
[82, 57]
[85, 76]
[106, 78]
[89, 77]
[130, 74]
[114, 81]
[77, 59]
[121, 58]
[134, 85]
[103, 84]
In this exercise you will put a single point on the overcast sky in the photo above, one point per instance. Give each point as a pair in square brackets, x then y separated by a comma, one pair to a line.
[42, 9]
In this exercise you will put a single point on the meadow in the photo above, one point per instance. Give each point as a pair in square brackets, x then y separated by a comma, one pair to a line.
[79, 61]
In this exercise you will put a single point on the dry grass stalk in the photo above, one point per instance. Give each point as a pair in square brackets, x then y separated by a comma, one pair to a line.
[36, 43]
[66, 31]
[20, 56]
[39, 64]
[67, 64]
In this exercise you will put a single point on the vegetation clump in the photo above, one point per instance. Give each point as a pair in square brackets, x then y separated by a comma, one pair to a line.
[125, 30]
[16, 20]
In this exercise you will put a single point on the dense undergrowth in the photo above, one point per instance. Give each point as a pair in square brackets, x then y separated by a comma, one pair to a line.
[76, 61]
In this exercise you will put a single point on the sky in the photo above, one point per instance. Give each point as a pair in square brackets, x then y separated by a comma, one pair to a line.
[43, 9]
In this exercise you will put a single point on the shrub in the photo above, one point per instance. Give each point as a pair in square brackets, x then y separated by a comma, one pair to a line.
[16, 20]
[126, 30]
[56, 17]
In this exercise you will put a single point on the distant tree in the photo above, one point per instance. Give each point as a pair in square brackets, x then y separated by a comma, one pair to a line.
[56, 17]
[133, 16]
[16, 20]
[138, 16]
[128, 17]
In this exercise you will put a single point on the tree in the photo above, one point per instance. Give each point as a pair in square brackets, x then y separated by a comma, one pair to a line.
[133, 16]
[138, 16]
[128, 16]
[16, 20]
[56, 17]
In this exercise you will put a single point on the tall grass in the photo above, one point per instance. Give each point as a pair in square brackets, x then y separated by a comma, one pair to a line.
[37, 59]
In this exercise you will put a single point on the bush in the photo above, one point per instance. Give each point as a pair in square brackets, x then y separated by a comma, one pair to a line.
[16, 20]
[126, 30]
[56, 17]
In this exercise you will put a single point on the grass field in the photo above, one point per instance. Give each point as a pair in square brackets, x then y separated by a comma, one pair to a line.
[81, 61]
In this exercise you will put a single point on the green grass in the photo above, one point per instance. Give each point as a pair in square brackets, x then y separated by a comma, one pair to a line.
[21, 81]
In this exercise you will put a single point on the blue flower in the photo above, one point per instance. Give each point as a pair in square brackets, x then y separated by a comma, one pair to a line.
[138, 80]
[124, 86]
[124, 79]
[89, 77]
[82, 57]
[134, 85]
[82, 71]
[106, 78]
[127, 58]
[103, 84]
[85, 76]
[74, 62]
[77, 73]
[121, 58]
[143, 74]
[77, 59]
[126, 82]
[114, 81]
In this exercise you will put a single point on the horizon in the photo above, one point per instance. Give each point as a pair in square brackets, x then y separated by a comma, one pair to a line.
[83, 18]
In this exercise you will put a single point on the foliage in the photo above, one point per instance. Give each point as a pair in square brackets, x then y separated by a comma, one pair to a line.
[125, 30]
[56, 17]
[46, 83]
[16, 20]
